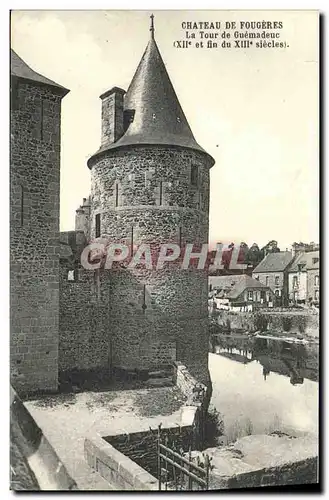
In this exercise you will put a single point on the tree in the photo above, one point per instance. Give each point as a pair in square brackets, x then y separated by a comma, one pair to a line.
[271, 247]
[254, 255]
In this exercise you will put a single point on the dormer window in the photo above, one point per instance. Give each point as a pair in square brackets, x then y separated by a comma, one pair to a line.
[128, 118]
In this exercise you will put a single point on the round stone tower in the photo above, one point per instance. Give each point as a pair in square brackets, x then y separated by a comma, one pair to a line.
[150, 184]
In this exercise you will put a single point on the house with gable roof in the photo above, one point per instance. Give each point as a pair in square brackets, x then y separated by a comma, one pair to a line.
[272, 271]
[239, 293]
[304, 278]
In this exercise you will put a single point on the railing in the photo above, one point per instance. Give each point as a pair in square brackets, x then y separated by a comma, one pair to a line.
[177, 472]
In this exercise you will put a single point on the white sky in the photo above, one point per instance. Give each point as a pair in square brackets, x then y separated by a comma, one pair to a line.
[254, 111]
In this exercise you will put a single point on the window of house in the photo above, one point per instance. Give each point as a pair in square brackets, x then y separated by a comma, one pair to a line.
[316, 281]
[277, 293]
[267, 280]
[317, 295]
[295, 281]
[315, 260]
[257, 277]
[250, 295]
[277, 280]
[98, 225]
[194, 175]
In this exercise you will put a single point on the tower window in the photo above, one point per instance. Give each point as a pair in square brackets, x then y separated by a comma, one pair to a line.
[41, 119]
[98, 225]
[116, 194]
[131, 241]
[161, 193]
[128, 118]
[180, 236]
[194, 175]
[22, 206]
[72, 275]
[14, 94]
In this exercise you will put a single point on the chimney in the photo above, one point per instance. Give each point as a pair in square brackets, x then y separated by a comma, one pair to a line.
[82, 218]
[112, 115]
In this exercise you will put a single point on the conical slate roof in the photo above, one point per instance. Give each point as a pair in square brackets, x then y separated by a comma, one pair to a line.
[20, 69]
[158, 116]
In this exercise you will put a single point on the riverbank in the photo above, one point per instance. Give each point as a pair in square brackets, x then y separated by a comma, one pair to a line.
[299, 324]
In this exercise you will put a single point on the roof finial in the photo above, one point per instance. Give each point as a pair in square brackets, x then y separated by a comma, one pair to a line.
[152, 26]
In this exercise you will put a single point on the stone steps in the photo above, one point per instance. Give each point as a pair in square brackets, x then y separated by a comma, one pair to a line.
[159, 382]
[161, 373]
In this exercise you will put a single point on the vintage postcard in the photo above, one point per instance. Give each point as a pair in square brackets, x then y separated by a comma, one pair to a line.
[164, 246]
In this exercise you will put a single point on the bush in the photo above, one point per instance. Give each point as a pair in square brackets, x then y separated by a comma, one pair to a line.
[214, 427]
[286, 323]
[261, 322]
[301, 323]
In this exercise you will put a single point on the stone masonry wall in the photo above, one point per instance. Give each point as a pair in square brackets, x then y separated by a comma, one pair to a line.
[84, 333]
[156, 203]
[34, 231]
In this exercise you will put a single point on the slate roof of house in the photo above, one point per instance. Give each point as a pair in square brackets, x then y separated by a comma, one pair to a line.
[159, 118]
[307, 260]
[20, 69]
[244, 283]
[224, 281]
[274, 262]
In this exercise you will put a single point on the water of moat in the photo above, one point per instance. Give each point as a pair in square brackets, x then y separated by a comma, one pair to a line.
[262, 386]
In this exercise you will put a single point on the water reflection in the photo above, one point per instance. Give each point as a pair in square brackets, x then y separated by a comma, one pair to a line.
[262, 386]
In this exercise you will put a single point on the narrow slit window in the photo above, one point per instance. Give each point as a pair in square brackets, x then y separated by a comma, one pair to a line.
[98, 225]
[41, 119]
[14, 94]
[131, 241]
[117, 195]
[22, 207]
[161, 192]
[97, 285]
[70, 275]
[144, 306]
[180, 236]
[194, 175]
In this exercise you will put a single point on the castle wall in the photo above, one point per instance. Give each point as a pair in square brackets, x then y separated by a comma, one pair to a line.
[169, 317]
[34, 230]
[84, 331]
